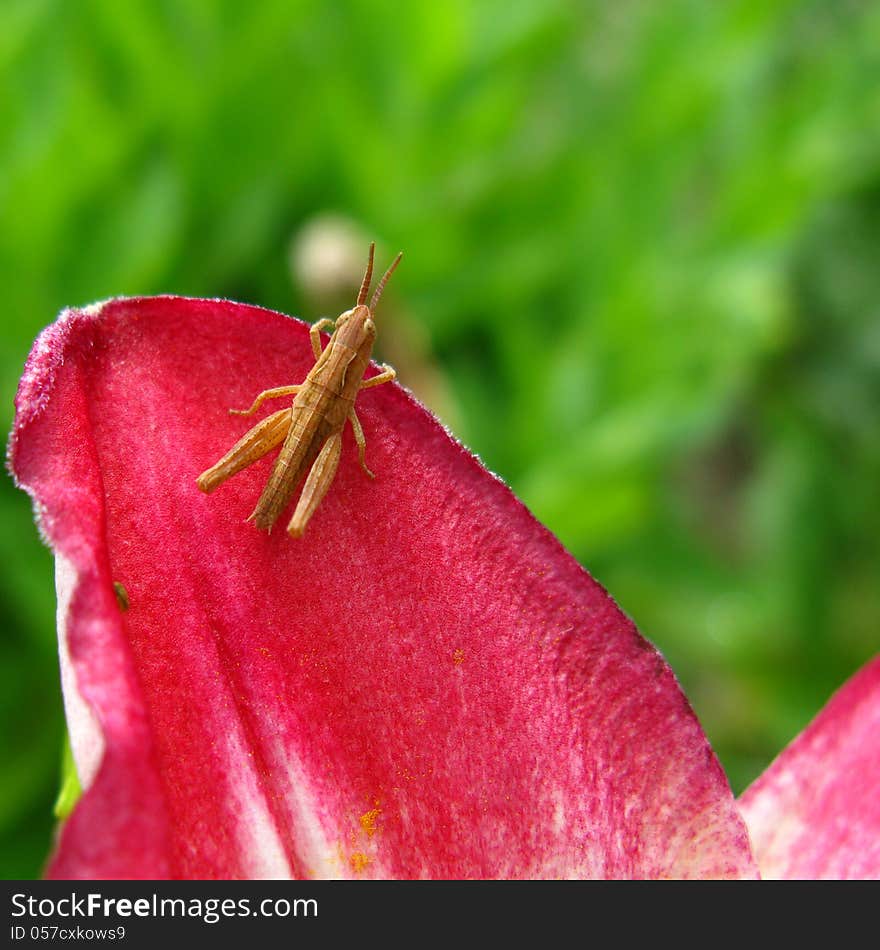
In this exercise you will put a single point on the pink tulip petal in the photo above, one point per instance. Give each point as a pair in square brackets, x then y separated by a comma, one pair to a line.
[815, 812]
[426, 685]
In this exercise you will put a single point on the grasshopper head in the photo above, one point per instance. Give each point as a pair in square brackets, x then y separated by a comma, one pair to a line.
[356, 327]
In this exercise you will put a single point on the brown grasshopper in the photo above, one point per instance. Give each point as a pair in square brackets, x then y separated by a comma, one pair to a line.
[311, 429]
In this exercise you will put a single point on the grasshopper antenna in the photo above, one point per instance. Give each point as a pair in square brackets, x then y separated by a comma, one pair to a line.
[368, 276]
[381, 285]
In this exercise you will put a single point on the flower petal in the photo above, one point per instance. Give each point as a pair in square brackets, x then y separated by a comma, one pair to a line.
[815, 812]
[426, 685]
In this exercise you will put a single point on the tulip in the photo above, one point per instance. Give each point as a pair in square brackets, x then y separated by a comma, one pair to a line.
[427, 685]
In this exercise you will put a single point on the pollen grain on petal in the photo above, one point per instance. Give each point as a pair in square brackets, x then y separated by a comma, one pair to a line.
[368, 820]
[358, 861]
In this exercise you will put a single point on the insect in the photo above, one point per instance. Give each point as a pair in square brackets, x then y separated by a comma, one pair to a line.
[121, 596]
[311, 429]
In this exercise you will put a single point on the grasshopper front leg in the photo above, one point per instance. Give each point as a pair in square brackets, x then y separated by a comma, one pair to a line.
[264, 395]
[385, 376]
[315, 334]
[319, 480]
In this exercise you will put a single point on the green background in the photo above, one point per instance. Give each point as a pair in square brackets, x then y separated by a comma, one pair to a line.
[641, 282]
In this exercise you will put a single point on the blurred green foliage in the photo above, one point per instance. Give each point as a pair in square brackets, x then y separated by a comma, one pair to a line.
[642, 242]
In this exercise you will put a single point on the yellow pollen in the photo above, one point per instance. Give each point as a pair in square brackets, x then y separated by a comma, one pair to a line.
[368, 821]
[358, 861]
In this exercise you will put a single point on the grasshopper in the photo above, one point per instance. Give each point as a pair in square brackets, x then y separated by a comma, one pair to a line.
[311, 429]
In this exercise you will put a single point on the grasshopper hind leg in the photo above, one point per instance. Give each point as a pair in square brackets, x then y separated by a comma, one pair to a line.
[318, 482]
[253, 445]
